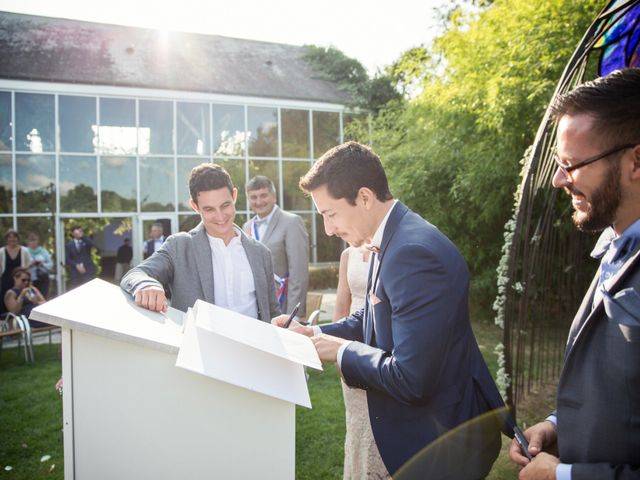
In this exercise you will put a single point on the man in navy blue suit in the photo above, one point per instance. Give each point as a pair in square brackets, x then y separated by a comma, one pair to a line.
[78, 257]
[411, 348]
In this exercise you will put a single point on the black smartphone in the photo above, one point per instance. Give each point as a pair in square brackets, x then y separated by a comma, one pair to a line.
[522, 441]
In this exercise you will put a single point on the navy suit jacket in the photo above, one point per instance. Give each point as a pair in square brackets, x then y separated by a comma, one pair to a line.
[414, 352]
[83, 255]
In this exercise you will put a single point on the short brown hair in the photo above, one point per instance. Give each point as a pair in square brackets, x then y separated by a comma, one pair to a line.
[19, 271]
[345, 169]
[613, 101]
[259, 182]
[11, 233]
[208, 176]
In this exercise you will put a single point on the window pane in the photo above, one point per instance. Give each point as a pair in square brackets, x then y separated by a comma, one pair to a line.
[35, 122]
[5, 121]
[295, 133]
[35, 179]
[229, 136]
[236, 169]
[118, 184]
[117, 133]
[188, 222]
[263, 132]
[293, 198]
[77, 123]
[157, 184]
[329, 247]
[193, 128]
[326, 132]
[78, 184]
[6, 184]
[155, 134]
[6, 223]
[184, 170]
[307, 218]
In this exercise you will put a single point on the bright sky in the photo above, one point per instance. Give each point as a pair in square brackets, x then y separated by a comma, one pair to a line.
[375, 32]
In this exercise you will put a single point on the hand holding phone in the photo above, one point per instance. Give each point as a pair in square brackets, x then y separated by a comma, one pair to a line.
[522, 441]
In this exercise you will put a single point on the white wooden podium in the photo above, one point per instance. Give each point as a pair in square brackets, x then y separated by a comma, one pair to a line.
[130, 413]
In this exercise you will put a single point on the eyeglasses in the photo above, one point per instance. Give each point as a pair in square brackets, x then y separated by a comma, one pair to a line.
[567, 169]
[24, 279]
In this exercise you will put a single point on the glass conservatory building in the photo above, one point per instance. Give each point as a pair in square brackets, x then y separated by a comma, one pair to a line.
[101, 125]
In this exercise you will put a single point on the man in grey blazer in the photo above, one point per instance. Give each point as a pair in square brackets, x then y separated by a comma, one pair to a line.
[215, 261]
[595, 431]
[285, 235]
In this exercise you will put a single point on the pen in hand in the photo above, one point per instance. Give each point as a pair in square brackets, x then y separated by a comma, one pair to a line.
[293, 314]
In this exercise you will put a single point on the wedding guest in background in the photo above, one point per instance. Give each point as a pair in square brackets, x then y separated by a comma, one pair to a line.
[156, 239]
[78, 253]
[123, 259]
[286, 237]
[41, 264]
[23, 296]
[12, 255]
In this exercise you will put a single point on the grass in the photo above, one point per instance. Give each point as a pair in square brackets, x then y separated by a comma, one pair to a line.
[31, 417]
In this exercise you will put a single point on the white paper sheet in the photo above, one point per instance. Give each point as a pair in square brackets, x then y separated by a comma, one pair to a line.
[217, 356]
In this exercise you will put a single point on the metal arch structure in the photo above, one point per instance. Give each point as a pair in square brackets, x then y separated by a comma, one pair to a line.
[546, 266]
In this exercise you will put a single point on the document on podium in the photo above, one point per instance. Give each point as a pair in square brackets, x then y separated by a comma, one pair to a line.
[246, 352]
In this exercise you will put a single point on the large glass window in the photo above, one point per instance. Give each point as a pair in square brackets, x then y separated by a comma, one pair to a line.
[35, 180]
[326, 132]
[268, 168]
[5, 121]
[236, 170]
[229, 136]
[78, 184]
[185, 165]
[193, 128]
[77, 117]
[35, 125]
[293, 198]
[295, 133]
[157, 184]
[118, 184]
[117, 133]
[155, 135]
[6, 184]
[263, 131]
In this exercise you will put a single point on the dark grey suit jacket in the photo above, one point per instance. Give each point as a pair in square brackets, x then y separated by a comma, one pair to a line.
[183, 263]
[288, 241]
[598, 405]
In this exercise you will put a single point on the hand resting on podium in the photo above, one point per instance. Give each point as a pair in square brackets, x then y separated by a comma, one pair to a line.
[152, 298]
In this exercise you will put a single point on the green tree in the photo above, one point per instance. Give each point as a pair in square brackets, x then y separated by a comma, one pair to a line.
[452, 151]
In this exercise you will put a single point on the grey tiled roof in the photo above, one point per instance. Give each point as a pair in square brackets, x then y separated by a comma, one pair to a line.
[71, 51]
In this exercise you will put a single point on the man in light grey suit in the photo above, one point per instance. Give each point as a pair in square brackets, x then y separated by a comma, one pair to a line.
[215, 261]
[595, 431]
[285, 235]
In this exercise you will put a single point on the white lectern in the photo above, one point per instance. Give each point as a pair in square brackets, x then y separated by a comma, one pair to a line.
[130, 413]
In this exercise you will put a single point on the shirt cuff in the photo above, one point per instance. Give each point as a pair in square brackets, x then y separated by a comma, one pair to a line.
[146, 285]
[316, 330]
[563, 471]
[553, 419]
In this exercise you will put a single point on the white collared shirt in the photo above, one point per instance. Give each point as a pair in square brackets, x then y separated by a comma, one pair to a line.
[262, 228]
[233, 283]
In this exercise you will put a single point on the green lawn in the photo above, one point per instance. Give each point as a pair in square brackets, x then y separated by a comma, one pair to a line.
[31, 417]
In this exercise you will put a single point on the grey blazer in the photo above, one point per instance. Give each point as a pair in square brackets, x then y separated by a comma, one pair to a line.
[183, 264]
[287, 238]
[598, 404]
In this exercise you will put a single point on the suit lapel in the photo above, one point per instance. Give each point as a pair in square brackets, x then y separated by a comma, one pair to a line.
[396, 215]
[255, 261]
[272, 225]
[202, 260]
[585, 314]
